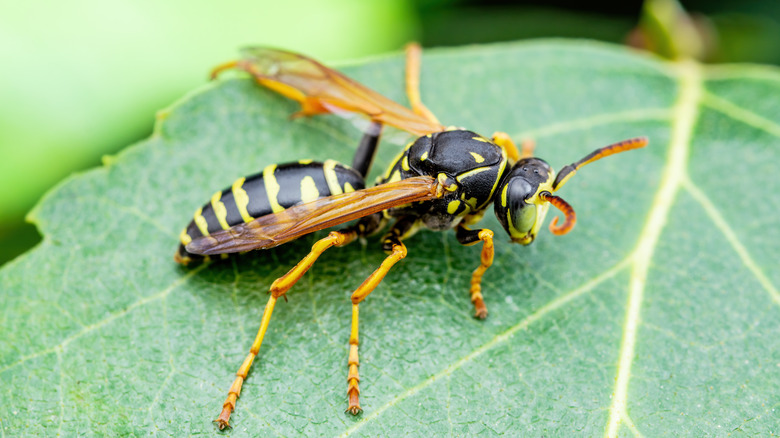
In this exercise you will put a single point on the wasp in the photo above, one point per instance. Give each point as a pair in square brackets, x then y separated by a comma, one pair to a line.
[445, 179]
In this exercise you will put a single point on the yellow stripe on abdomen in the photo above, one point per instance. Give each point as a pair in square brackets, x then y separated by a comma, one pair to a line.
[395, 177]
[242, 199]
[200, 221]
[219, 210]
[329, 170]
[309, 190]
[272, 188]
[184, 237]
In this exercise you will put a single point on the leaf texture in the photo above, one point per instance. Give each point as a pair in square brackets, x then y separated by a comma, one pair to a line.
[659, 315]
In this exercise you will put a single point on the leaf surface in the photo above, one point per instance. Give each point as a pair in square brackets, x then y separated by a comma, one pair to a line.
[657, 315]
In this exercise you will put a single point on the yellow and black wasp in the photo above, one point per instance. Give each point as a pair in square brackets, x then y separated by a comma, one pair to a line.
[446, 178]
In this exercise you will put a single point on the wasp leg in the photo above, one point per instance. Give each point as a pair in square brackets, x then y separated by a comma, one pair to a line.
[364, 155]
[335, 238]
[397, 251]
[279, 288]
[309, 106]
[353, 391]
[469, 237]
[216, 71]
[413, 53]
[235, 389]
[505, 141]
[366, 226]
[528, 146]
[353, 378]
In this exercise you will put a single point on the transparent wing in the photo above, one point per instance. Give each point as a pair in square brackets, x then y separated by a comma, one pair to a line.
[320, 89]
[277, 228]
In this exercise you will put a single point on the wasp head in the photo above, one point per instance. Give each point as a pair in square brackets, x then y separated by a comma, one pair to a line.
[521, 204]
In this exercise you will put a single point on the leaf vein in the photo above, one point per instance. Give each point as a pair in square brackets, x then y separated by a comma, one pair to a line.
[499, 339]
[631, 426]
[586, 123]
[740, 114]
[61, 391]
[172, 370]
[732, 239]
[114, 316]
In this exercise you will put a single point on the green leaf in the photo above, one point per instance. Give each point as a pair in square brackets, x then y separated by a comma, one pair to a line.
[657, 315]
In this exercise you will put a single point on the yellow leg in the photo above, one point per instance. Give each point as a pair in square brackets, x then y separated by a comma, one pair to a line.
[486, 259]
[335, 238]
[353, 391]
[413, 52]
[505, 141]
[278, 288]
[235, 388]
[528, 147]
[216, 71]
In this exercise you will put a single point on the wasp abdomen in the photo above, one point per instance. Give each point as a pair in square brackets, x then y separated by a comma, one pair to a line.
[277, 187]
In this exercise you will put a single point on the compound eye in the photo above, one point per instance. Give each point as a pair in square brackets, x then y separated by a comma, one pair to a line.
[522, 217]
[516, 215]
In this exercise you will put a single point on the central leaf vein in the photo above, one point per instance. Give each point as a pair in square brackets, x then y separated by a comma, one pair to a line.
[686, 112]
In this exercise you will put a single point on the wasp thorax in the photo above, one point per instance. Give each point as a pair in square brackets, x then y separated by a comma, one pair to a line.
[518, 206]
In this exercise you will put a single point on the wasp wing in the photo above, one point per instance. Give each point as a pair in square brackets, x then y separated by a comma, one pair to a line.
[278, 228]
[320, 89]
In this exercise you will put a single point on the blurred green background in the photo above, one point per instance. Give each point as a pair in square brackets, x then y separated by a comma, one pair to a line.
[83, 79]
